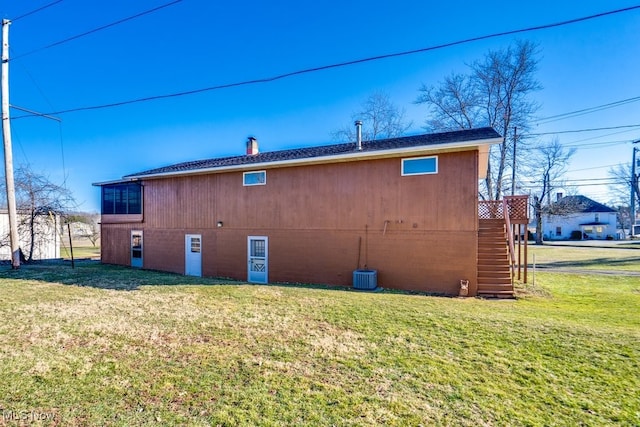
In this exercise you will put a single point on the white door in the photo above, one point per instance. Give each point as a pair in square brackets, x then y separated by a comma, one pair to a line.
[193, 255]
[136, 249]
[258, 259]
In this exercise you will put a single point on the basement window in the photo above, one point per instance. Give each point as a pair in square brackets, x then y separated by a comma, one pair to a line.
[420, 166]
[254, 178]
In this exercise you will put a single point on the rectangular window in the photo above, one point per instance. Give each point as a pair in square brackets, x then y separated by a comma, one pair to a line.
[136, 244]
[254, 178]
[420, 166]
[258, 248]
[597, 217]
[195, 245]
[558, 231]
[122, 199]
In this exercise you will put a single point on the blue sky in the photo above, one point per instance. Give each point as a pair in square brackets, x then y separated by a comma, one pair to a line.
[195, 44]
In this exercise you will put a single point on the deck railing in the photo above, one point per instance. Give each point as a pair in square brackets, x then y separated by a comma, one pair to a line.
[515, 206]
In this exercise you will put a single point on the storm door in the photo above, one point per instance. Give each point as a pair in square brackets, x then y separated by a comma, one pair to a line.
[136, 248]
[258, 259]
[193, 254]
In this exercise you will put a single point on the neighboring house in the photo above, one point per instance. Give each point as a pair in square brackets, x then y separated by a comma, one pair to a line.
[580, 218]
[406, 207]
[47, 236]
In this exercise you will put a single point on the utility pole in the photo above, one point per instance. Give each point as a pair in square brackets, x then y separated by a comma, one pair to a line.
[634, 187]
[513, 167]
[8, 153]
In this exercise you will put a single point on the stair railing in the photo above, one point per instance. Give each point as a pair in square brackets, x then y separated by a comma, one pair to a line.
[507, 220]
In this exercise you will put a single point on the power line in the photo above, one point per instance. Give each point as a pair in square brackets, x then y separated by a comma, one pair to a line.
[595, 167]
[95, 30]
[583, 111]
[576, 130]
[596, 145]
[601, 136]
[603, 184]
[341, 64]
[36, 10]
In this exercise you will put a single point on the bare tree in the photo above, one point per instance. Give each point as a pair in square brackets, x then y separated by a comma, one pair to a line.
[454, 104]
[547, 166]
[37, 199]
[620, 190]
[495, 93]
[380, 118]
[86, 226]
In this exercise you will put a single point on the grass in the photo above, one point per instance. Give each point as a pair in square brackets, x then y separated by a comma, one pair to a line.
[106, 345]
[624, 258]
[81, 249]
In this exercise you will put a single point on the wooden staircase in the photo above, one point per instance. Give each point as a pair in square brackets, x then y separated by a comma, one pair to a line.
[494, 272]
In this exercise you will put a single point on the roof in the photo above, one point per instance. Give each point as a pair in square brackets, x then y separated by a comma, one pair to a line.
[408, 145]
[582, 204]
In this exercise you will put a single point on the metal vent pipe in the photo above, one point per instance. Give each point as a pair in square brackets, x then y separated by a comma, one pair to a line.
[359, 134]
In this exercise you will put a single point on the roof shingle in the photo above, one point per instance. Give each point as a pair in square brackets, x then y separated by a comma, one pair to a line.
[433, 139]
[582, 204]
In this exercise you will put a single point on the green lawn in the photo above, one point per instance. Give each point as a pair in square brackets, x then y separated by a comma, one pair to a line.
[80, 251]
[621, 258]
[105, 345]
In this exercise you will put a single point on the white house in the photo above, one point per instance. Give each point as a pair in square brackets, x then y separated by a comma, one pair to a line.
[579, 217]
[47, 232]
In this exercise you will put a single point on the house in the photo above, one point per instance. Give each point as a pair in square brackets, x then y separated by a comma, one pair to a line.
[579, 218]
[405, 207]
[46, 235]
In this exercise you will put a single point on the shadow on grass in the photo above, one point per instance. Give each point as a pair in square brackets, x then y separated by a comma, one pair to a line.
[596, 262]
[91, 273]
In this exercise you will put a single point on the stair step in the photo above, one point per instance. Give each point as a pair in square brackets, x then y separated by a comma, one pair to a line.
[489, 274]
[495, 287]
[501, 295]
[494, 269]
[503, 269]
[502, 283]
[492, 257]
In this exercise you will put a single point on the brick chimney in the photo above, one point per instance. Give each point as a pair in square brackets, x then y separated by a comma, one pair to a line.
[252, 146]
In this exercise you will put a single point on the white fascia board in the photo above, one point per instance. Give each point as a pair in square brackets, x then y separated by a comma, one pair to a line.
[115, 181]
[349, 157]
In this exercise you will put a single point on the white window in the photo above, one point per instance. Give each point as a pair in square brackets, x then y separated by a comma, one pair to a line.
[254, 178]
[420, 166]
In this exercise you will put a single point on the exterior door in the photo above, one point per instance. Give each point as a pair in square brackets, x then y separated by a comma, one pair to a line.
[136, 248]
[258, 259]
[193, 254]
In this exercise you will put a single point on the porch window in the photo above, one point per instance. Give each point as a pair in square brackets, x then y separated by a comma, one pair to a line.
[254, 178]
[122, 199]
[420, 166]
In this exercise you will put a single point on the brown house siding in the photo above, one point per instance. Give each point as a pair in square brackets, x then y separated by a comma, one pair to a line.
[419, 232]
